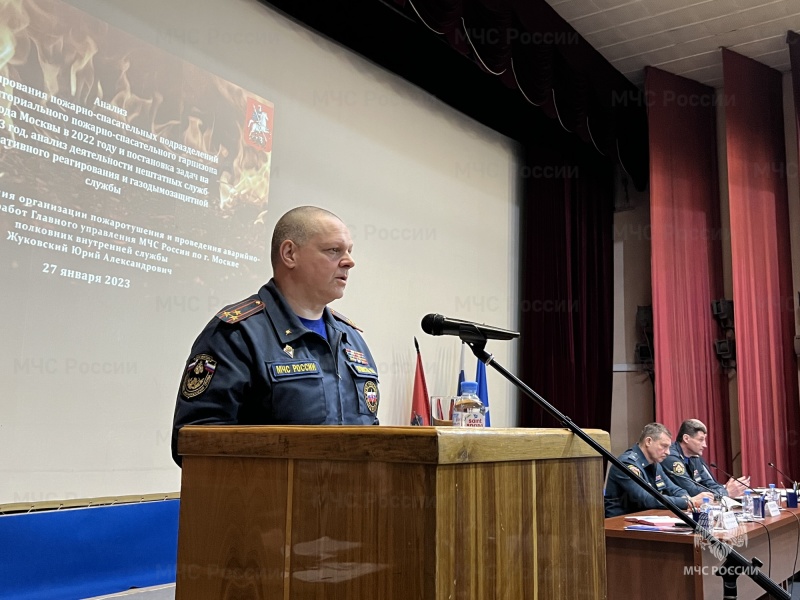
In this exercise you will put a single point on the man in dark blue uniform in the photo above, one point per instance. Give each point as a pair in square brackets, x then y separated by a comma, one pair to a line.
[282, 357]
[686, 467]
[623, 496]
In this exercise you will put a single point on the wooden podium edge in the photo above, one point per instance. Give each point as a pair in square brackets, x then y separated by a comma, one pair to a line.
[425, 445]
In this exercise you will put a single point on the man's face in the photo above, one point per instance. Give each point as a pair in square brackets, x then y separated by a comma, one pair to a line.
[694, 445]
[324, 262]
[657, 449]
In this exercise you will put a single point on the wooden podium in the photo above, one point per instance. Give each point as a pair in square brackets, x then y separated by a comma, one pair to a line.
[389, 513]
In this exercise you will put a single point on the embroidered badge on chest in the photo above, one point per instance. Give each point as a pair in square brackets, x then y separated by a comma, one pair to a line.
[371, 396]
[295, 369]
[198, 375]
[678, 468]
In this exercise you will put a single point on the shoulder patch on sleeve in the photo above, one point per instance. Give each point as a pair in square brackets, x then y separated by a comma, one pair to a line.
[344, 319]
[678, 468]
[199, 371]
[234, 313]
[635, 470]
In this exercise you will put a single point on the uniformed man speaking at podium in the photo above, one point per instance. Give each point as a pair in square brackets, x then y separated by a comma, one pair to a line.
[282, 357]
[623, 495]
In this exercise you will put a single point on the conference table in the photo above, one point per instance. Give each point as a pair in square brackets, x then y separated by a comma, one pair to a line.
[643, 563]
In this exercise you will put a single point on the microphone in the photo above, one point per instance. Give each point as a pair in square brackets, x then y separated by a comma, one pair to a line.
[781, 472]
[714, 466]
[434, 324]
[717, 495]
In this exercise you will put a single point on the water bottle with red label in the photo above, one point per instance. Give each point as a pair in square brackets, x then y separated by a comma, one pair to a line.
[468, 410]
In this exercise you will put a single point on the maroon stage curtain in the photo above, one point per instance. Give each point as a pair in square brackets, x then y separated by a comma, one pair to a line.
[566, 289]
[762, 278]
[686, 258]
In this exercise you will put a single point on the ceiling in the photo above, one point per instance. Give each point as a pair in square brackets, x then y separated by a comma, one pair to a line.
[683, 37]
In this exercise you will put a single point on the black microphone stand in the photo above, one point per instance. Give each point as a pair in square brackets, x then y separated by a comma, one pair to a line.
[734, 564]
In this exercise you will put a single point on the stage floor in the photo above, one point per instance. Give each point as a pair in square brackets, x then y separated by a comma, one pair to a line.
[159, 592]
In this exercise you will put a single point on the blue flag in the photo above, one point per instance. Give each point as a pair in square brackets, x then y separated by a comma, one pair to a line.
[483, 389]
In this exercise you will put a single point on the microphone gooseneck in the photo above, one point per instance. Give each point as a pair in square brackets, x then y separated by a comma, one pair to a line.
[724, 472]
[772, 464]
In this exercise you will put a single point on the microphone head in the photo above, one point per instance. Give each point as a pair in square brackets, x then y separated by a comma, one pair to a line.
[432, 324]
[712, 465]
[771, 465]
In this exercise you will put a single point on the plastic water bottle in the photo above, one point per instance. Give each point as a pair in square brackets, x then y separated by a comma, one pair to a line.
[468, 410]
[704, 519]
[772, 493]
[747, 506]
[715, 514]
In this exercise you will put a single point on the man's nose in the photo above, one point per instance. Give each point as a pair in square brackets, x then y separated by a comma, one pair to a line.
[347, 261]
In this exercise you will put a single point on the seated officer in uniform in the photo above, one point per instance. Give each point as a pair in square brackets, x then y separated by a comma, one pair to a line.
[686, 468]
[282, 357]
[623, 495]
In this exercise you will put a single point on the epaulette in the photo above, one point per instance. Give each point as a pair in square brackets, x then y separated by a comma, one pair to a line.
[344, 319]
[241, 310]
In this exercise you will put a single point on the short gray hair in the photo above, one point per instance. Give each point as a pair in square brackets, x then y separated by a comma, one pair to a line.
[654, 431]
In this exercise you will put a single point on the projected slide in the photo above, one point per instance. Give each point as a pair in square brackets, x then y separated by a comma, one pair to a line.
[133, 198]
[120, 164]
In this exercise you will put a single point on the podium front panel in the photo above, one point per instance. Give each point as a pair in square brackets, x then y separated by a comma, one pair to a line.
[408, 514]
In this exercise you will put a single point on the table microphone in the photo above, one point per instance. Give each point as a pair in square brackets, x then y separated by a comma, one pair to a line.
[771, 464]
[717, 495]
[724, 472]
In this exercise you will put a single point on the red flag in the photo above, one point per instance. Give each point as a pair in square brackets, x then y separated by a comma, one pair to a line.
[420, 408]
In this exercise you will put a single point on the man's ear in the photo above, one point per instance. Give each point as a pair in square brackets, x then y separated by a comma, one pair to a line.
[288, 254]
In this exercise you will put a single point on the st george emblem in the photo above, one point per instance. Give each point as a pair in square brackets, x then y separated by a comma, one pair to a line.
[371, 396]
[198, 375]
[259, 121]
